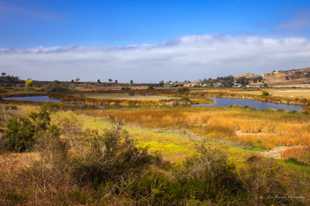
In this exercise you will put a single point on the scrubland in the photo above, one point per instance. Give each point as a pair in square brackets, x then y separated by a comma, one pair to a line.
[174, 156]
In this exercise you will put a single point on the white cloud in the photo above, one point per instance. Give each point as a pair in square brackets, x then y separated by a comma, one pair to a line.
[190, 57]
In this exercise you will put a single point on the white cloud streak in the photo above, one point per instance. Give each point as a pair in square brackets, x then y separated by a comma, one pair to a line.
[190, 57]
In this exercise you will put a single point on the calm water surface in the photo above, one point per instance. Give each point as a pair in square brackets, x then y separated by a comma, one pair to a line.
[218, 102]
[224, 102]
[33, 99]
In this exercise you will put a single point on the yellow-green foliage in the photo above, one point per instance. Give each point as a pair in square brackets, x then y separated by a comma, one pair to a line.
[28, 83]
[175, 134]
[172, 145]
[63, 119]
[171, 131]
[262, 128]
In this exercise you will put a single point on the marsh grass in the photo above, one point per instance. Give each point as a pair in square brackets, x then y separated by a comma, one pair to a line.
[265, 129]
[233, 134]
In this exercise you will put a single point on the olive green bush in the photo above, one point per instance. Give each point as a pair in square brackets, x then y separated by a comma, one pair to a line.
[21, 133]
[19, 136]
[111, 158]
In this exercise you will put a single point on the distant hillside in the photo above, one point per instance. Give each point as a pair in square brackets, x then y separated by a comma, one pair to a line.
[293, 77]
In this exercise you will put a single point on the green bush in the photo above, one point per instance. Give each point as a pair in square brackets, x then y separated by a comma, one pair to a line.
[265, 94]
[202, 180]
[183, 90]
[209, 176]
[156, 187]
[57, 87]
[262, 180]
[22, 133]
[40, 120]
[19, 136]
[111, 158]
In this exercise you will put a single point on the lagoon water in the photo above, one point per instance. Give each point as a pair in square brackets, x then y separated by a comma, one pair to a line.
[218, 102]
[33, 99]
[224, 102]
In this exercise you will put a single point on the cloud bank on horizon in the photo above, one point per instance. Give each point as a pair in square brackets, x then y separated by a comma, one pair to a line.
[187, 58]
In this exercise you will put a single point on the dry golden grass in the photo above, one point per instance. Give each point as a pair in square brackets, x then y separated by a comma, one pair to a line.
[172, 132]
[292, 93]
[261, 128]
[161, 129]
[12, 162]
[302, 154]
[125, 96]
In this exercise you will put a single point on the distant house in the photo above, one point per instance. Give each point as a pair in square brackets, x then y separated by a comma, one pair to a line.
[256, 82]
[218, 84]
[249, 80]
[237, 84]
[193, 84]
[256, 85]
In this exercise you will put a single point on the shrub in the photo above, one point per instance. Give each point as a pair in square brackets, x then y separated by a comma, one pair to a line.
[263, 183]
[57, 87]
[52, 148]
[209, 176]
[265, 94]
[22, 132]
[155, 187]
[205, 179]
[40, 120]
[19, 135]
[111, 158]
[47, 180]
[183, 90]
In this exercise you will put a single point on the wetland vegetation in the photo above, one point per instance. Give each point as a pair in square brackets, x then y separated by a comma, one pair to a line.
[152, 154]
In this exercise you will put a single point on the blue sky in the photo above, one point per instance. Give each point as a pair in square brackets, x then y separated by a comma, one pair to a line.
[65, 30]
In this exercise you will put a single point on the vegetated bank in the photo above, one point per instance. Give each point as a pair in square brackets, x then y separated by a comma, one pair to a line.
[91, 158]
